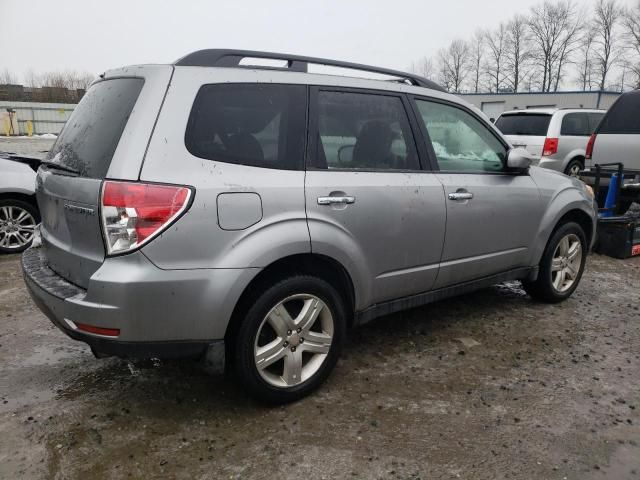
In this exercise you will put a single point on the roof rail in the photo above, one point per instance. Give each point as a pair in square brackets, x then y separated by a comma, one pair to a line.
[295, 63]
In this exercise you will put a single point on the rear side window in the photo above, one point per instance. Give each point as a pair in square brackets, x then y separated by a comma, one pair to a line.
[624, 116]
[260, 125]
[91, 135]
[526, 124]
[575, 124]
[594, 121]
[364, 131]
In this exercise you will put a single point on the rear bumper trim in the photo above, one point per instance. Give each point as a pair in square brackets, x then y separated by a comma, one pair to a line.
[35, 267]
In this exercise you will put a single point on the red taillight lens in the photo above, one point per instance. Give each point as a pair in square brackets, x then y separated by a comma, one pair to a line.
[550, 147]
[107, 332]
[589, 152]
[133, 213]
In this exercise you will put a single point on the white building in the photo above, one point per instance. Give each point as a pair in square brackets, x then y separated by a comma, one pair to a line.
[493, 104]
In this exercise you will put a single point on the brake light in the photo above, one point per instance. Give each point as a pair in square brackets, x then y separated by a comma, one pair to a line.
[589, 152]
[133, 213]
[550, 147]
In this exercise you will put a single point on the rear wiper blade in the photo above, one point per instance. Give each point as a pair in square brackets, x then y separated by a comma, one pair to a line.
[57, 166]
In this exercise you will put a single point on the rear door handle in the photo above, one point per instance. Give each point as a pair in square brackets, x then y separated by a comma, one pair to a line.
[461, 196]
[345, 200]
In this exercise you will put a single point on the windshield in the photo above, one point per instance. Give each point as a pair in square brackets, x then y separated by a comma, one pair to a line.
[526, 124]
[92, 133]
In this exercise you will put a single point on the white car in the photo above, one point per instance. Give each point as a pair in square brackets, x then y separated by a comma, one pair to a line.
[19, 213]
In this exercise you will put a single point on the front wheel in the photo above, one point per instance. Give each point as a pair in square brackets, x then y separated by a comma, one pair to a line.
[561, 266]
[18, 220]
[290, 339]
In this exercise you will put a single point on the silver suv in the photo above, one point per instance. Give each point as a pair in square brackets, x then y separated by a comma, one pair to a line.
[215, 207]
[557, 138]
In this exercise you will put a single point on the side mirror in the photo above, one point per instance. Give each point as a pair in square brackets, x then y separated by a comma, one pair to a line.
[519, 159]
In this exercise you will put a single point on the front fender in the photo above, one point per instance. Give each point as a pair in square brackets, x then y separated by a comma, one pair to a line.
[562, 202]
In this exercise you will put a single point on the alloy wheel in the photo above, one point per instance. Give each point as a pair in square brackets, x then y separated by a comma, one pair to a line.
[293, 340]
[566, 263]
[17, 227]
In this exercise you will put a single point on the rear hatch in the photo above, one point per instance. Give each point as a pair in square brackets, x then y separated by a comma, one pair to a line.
[525, 130]
[105, 137]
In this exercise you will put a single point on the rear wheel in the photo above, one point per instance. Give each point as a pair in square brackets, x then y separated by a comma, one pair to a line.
[561, 266]
[290, 339]
[18, 220]
[574, 168]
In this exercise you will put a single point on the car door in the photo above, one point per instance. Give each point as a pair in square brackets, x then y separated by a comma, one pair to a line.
[369, 204]
[492, 214]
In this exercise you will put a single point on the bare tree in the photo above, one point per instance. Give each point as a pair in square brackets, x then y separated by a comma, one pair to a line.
[516, 51]
[476, 62]
[555, 29]
[454, 65]
[424, 67]
[606, 19]
[586, 62]
[66, 79]
[631, 22]
[496, 52]
[32, 79]
[7, 77]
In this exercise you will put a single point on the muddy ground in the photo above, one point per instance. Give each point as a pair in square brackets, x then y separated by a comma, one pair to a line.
[486, 386]
[547, 392]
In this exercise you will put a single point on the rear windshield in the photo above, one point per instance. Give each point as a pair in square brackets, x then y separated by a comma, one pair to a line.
[624, 116]
[91, 135]
[529, 124]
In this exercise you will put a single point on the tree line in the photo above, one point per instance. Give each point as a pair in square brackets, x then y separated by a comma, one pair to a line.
[555, 44]
[69, 79]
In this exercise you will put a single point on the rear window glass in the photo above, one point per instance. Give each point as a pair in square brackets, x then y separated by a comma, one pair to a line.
[624, 116]
[528, 124]
[260, 125]
[90, 136]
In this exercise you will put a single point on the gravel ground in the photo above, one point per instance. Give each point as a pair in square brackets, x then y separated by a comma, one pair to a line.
[35, 147]
[487, 386]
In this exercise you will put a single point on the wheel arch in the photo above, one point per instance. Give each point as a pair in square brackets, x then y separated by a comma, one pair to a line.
[314, 264]
[24, 197]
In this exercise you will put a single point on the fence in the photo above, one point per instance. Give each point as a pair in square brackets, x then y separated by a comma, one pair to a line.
[40, 118]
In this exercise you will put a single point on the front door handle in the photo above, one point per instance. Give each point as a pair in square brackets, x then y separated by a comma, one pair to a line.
[344, 200]
[460, 196]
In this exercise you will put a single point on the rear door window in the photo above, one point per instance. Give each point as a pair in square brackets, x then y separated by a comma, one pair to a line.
[624, 116]
[364, 131]
[260, 125]
[90, 136]
[575, 124]
[524, 124]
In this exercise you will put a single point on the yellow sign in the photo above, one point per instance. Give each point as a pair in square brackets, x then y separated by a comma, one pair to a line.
[29, 128]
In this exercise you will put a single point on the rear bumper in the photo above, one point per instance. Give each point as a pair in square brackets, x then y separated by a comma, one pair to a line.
[159, 313]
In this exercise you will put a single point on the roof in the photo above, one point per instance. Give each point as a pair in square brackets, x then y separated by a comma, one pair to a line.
[551, 111]
[571, 92]
[296, 63]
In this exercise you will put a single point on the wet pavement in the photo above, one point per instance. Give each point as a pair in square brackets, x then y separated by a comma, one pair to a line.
[490, 385]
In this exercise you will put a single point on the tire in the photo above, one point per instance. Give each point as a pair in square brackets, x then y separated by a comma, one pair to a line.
[18, 220]
[558, 277]
[291, 366]
[574, 168]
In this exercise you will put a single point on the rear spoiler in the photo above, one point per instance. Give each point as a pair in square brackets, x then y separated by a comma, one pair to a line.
[33, 162]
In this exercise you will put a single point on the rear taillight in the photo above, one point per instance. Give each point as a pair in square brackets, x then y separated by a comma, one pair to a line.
[133, 213]
[550, 147]
[589, 152]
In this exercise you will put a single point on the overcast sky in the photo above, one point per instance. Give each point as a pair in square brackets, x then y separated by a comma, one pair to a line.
[96, 35]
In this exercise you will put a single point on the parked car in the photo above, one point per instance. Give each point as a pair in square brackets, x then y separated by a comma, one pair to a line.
[556, 137]
[617, 137]
[254, 214]
[18, 208]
